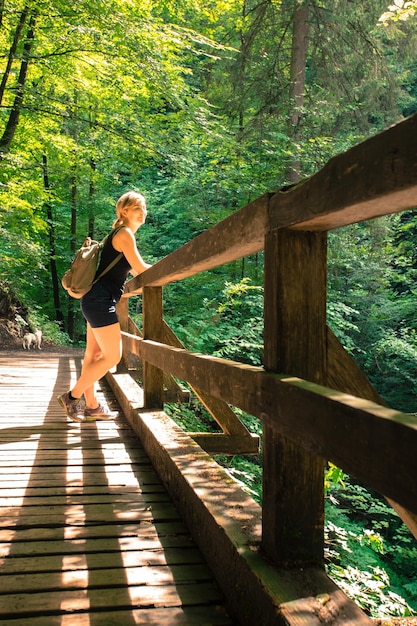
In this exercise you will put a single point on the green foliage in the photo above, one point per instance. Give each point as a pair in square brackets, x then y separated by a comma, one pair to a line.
[230, 325]
[333, 477]
[189, 104]
[371, 305]
[246, 471]
[391, 367]
[371, 590]
[194, 418]
[369, 551]
[50, 330]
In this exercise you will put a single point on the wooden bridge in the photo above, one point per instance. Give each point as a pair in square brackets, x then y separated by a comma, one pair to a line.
[88, 534]
[312, 399]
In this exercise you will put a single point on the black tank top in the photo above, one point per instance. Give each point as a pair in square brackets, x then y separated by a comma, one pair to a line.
[115, 278]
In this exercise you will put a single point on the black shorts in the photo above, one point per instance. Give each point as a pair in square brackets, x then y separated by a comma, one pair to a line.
[99, 307]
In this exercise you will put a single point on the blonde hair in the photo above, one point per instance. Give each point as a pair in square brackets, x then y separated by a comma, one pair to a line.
[128, 198]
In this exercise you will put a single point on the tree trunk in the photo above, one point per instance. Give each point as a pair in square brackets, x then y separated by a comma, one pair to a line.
[247, 36]
[11, 126]
[91, 194]
[70, 322]
[52, 250]
[13, 48]
[297, 86]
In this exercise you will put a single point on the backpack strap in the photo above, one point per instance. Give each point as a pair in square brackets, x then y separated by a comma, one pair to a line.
[108, 268]
[116, 260]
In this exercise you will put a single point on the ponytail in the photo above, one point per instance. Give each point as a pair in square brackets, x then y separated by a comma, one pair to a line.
[118, 222]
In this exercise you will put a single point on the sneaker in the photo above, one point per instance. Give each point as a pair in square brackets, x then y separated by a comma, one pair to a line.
[73, 408]
[99, 411]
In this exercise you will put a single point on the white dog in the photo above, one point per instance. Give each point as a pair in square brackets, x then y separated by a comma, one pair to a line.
[38, 335]
[32, 339]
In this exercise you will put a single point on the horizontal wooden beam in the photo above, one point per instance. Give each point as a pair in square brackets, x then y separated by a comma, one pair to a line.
[228, 421]
[355, 434]
[219, 443]
[376, 177]
[172, 390]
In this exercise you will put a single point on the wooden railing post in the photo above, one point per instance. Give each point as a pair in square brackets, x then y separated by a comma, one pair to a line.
[295, 344]
[123, 315]
[153, 328]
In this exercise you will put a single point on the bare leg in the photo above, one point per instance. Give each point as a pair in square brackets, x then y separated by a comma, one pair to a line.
[92, 354]
[103, 351]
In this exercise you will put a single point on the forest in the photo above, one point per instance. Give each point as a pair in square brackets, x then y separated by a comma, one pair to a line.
[203, 106]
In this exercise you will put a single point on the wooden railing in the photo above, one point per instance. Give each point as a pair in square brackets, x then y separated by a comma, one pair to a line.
[312, 399]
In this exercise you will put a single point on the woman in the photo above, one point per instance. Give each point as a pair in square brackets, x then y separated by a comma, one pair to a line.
[104, 341]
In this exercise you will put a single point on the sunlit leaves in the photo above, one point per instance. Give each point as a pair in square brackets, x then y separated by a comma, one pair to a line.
[400, 10]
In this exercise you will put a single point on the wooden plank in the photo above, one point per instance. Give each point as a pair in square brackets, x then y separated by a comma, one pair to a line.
[184, 616]
[122, 309]
[35, 500]
[110, 597]
[35, 582]
[118, 479]
[99, 554]
[345, 375]
[346, 430]
[78, 465]
[218, 443]
[16, 491]
[225, 418]
[219, 410]
[69, 432]
[76, 514]
[49, 459]
[41, 540]
[223, 415]
[172, 390]
[295, 342]
[236, 439]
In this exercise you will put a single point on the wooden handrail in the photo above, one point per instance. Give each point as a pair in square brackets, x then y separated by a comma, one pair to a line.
[308, 416]
[331, 424]
[241, 234]
[343, 192]
[376, 177]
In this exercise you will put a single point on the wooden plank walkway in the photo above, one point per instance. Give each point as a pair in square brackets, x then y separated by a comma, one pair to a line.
[88, 534]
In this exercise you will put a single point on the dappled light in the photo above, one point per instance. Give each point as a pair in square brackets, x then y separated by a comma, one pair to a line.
[87, 530]
[267, 153]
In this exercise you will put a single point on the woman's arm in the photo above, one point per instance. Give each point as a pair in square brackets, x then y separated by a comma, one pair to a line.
[124, 241]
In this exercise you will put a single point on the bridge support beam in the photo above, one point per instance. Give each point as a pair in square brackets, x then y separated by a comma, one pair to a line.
[153, 328]
[295, 344]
